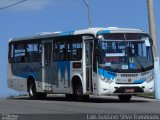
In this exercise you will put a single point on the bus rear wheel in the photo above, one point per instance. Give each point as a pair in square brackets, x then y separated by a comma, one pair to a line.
[125, 98]
[33, 94]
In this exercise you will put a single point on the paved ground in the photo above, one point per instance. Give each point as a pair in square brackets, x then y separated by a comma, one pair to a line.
[59, 108]
[60, 105]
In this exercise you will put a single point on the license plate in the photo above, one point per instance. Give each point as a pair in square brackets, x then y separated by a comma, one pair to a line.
[129, 90]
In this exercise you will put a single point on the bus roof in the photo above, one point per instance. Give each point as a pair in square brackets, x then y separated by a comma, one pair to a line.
[94, 31]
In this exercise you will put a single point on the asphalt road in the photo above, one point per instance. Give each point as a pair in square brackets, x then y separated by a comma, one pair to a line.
[60, 105]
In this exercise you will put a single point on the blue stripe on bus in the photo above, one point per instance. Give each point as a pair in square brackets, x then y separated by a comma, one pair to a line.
[22, 75]
[103, 31]
[26, 75]
[106, 74]
[64, 67]
[100, 71]
[138, 81]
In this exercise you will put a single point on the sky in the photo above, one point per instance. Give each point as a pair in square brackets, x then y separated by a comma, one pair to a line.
[35, 16]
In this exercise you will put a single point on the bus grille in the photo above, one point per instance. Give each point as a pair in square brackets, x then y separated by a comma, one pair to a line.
[129, 75]
[123, 89]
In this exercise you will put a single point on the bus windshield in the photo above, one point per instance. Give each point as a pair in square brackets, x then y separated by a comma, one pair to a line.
[125, 51]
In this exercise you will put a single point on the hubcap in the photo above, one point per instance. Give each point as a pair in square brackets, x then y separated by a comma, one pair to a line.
[31, 90]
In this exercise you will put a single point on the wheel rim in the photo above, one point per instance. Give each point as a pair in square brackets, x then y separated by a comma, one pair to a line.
[78, 91]
[31, 90]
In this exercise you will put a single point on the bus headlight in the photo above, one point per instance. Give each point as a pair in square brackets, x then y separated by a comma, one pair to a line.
[109, 81]
[149, 79]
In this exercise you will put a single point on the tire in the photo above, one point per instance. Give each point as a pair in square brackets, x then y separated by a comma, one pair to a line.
[78, 93]
[33, 94]
[32, 90]
[125, 98]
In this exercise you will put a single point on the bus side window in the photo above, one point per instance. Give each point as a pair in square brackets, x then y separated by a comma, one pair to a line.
[67, 49]
[33, 53]
[77, 50]
[62, 50]
[11, 53]
[55, 50]
[79, 53]
[19, 53]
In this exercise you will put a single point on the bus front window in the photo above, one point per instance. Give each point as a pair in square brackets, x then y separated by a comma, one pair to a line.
[119, 52]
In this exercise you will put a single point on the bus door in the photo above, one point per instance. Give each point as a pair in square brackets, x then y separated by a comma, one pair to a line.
[88, 61]
[47, 66]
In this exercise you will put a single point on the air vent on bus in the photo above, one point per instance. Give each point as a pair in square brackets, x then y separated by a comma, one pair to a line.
[129, 75]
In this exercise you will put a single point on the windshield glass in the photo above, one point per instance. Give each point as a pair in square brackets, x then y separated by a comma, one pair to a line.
[125, 51]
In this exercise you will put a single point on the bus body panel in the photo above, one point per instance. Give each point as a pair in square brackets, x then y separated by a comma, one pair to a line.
[15, 82]
[107, 86]
[55, 76]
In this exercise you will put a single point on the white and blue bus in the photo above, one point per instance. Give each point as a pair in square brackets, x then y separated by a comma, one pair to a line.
[95, 61]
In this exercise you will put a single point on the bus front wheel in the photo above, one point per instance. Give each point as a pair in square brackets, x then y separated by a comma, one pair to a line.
[78, 93]
[124, 98]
